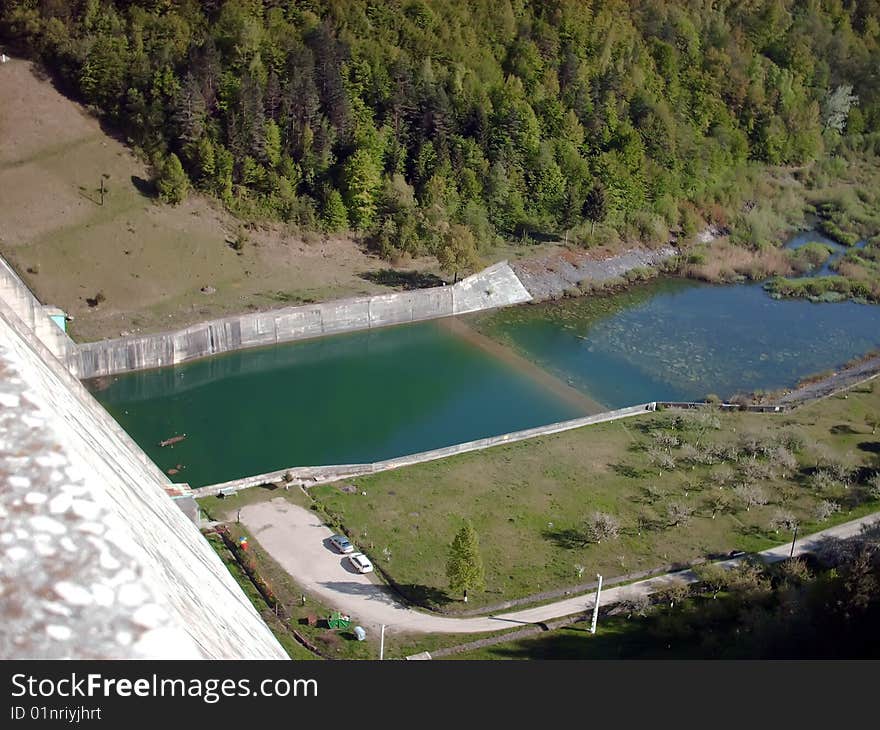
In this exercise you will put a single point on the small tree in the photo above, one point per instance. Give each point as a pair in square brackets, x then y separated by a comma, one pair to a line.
[783, 520]
[785, 460]
[652, 493]
[672, 592]
[873, 421]
[719, 503]
[874, 486]
[464, 568]
[661, 459]
[713, 577]
[172, 184]
[639, 604]
[458, 250]
[595, 208]
[665, 441]
[825, 509]
[822, 480]
[751, 495]
[601, 526]
[679, 513]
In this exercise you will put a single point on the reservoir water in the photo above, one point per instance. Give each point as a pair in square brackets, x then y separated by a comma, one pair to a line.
[374, 395]
[682, 340]
[347, 399]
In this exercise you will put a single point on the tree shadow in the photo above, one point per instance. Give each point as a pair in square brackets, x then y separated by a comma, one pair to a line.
[423, 595]
[403, 279]
[754, 531]
[538, 235]
[84, 193]
[871, 447]
[649, 495]
[144, 187]
[841, 429]
[629, 471]
[567, 538]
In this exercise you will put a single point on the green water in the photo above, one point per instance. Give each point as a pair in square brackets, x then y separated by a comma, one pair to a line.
[353, 398]
[682, 340]
[373, 395]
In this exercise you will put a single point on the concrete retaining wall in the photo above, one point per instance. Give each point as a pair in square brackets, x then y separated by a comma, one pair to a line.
[35, 315]
[311, 475]
[493, 287]
[94, 481]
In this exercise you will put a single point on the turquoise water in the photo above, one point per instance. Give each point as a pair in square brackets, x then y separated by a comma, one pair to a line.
[353, 398]
[373, 395]
[682, 340]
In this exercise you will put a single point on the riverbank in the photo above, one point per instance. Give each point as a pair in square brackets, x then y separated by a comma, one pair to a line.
[570, 272]
[824, 385]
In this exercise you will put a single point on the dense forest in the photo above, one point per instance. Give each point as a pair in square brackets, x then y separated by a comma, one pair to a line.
[420, 122]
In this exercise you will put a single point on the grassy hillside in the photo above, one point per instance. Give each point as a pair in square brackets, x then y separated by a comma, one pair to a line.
[436, 125]
[150, 261]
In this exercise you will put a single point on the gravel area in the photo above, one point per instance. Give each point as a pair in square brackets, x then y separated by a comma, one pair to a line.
[549, 277]
[833, 383]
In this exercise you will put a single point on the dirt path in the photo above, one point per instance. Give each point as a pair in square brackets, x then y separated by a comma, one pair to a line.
[297, 539]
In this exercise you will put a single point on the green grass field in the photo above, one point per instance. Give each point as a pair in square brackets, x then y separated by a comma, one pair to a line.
[528, 501]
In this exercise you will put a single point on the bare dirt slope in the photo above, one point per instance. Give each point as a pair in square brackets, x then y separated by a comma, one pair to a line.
[150, 261]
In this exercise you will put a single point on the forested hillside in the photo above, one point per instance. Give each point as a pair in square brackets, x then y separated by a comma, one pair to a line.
[421, 122]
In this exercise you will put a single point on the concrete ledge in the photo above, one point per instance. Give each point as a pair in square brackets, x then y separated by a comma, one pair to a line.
[496, 286]
[312, 475]
[22, 301]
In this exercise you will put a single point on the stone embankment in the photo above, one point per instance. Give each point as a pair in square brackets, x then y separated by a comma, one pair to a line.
[552, 276]
[834, 383]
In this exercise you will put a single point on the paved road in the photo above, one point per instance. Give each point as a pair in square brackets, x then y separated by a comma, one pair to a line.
[297, 539]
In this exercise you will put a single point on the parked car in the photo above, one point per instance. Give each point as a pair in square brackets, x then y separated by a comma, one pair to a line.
[342, 544]
[361, 563]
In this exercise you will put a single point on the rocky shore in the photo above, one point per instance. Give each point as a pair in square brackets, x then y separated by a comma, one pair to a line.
[552, 276]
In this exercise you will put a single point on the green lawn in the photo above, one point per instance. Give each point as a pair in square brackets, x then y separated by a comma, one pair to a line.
[528, 500]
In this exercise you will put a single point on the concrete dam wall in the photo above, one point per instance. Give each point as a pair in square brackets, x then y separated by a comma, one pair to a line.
[35, 315]
[496, 286]
[99, 561]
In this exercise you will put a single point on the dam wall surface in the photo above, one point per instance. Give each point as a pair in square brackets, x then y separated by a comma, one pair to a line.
[311, 475]
[99, 562]
[496, 286]
[35, 315]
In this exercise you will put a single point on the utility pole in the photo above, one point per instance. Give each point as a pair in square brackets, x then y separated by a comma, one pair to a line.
[102, 190]
[794, 537]
[382, 644]
[596, 606]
